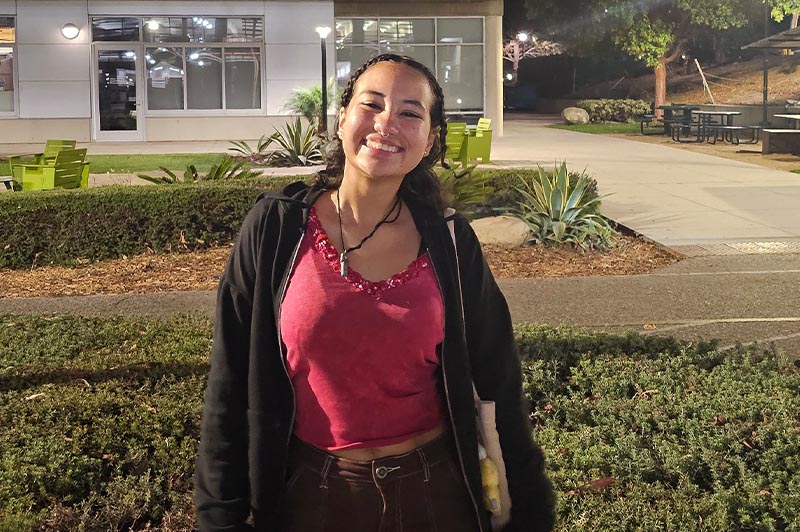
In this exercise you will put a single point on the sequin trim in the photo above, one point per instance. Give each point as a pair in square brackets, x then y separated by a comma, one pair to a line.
[374, 288]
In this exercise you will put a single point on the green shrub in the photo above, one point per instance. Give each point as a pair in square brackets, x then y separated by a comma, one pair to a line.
[99, 421]
[463, 188]
[63, 226]
[608, 110]
[558, 213]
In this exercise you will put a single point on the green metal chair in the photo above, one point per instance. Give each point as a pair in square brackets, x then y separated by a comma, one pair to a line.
[478, 143]
[67, 171]
[51, 149]
[456, 132]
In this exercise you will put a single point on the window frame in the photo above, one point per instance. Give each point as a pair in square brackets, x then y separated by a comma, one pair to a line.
[143, 45]
[15, 71]
[436, 44]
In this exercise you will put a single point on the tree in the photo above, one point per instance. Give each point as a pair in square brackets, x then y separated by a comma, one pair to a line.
[526, 44]
[655, 32]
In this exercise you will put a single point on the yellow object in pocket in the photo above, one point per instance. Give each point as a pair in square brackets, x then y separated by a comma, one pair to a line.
[490, 479]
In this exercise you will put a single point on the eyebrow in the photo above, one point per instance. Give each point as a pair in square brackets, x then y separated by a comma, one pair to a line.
[415, 103]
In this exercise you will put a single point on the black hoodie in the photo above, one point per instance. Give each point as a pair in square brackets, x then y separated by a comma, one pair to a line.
[249, 401]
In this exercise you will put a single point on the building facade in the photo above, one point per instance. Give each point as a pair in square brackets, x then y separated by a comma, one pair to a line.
[146, 70]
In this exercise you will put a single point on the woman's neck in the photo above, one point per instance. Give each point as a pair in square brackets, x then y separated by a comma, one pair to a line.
[365, 202]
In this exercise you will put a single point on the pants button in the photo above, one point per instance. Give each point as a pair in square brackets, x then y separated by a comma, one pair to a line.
[381, 472]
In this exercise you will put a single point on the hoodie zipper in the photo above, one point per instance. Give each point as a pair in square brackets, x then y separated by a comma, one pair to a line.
[449, 405]
[281, 295]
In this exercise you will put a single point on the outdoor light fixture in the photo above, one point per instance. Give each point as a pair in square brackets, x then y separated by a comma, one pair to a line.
[509, 76]
[323, 32]
[70, 31]
[522, 36]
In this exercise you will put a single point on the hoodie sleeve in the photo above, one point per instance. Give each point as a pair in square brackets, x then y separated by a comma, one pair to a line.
[222, 492]
[497, 377]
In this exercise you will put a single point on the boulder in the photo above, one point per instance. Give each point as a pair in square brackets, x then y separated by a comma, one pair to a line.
[575, 115]
[502, 230]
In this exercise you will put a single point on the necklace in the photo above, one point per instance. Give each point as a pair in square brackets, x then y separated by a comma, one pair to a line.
[346, 250]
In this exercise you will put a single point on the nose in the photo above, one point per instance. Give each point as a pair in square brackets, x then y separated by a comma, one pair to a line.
[385, 125]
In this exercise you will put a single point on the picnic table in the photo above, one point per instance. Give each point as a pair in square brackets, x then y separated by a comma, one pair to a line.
[793, 120]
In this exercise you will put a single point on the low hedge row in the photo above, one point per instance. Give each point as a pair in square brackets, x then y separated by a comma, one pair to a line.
[67, 227]
[611, 110]
[99, 420]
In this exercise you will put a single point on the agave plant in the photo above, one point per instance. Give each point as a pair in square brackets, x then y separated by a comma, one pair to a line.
[298, 147]
[227, 169]
[245, 150]
[558, 212]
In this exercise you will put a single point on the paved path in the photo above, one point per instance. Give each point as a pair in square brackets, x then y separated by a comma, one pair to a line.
[734, 298]
[671, 195]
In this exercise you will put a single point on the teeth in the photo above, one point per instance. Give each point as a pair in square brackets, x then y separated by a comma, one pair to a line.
[383, 147]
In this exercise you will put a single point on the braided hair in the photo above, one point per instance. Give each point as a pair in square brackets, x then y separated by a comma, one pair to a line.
[421, 184]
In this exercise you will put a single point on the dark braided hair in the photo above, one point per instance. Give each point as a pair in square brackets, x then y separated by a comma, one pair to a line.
[421, 184]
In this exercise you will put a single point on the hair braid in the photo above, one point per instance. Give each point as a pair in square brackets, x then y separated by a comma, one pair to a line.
[421, 183]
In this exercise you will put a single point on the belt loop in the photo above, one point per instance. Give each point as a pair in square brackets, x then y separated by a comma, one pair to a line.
[325, 470]
[425, 469]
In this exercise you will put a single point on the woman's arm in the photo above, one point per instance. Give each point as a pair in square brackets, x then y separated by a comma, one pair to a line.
[222, 484]
[497, 376]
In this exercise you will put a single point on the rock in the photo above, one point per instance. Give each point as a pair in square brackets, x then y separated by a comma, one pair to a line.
[502, 230]
[575, 115]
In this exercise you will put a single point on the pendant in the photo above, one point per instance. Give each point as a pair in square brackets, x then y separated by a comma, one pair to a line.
[343, 264]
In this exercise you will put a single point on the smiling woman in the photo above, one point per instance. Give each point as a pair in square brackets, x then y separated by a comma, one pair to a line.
[346, 346]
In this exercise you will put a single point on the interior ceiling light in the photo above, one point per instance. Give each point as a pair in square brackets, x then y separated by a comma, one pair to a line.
[70, 31]
[153, 25]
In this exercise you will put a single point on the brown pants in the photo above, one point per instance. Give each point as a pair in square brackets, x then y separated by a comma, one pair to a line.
[421, 491]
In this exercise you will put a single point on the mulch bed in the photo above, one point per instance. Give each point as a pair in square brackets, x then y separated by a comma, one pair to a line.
[151, 272]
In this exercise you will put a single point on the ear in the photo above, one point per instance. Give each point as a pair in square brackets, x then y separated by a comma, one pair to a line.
[342, 117]
[432, 138]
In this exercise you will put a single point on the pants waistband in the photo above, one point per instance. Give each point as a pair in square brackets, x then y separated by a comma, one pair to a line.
[416, 461]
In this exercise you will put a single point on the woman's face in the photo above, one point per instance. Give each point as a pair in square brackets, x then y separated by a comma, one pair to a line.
[386, 127]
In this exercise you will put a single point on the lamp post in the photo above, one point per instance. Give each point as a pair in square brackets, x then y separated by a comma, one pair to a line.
[323, 32]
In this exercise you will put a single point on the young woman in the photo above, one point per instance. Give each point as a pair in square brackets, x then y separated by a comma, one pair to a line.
[340, 392]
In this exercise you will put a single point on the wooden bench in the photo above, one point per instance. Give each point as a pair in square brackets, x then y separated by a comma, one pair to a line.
[781, 141]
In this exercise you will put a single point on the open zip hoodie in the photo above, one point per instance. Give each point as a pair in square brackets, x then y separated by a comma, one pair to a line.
[249, 402]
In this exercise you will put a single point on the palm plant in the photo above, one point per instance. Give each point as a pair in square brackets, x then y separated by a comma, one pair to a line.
[245, 150]
[558, 212]
[307, 102]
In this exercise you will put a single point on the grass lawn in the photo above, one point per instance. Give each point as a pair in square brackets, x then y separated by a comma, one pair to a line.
[600, 129]
[796, 171]
[129, 164]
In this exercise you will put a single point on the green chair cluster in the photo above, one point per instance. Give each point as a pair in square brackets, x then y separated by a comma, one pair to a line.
[469, 144]
[59, 166]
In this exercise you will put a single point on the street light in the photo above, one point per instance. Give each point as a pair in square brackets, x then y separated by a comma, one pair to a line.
[522, 36]
[323, 32]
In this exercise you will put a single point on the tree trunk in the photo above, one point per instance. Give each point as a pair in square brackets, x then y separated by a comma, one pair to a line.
[661, 86]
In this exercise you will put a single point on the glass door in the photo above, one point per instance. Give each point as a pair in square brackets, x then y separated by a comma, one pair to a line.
[117, 93]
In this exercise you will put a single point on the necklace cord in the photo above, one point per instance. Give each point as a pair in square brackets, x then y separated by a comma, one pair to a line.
[385, 220]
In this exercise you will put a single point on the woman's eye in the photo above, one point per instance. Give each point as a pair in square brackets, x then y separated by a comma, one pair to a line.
[411, 114]
[371, 105]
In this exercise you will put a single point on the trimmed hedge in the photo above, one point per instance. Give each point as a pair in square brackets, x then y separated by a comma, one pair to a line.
[66, 227]
[608, 110]
[99, 420]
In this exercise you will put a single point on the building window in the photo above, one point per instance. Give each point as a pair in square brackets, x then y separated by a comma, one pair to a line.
[7, 54]
[195, 63]
[115, 29]
[451, 47]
